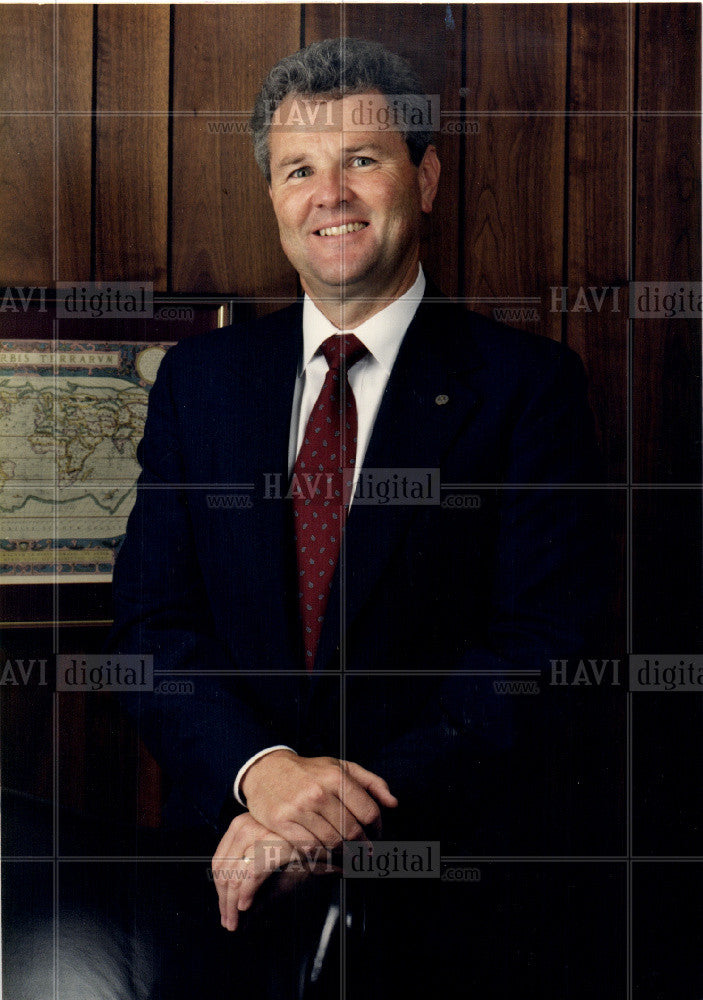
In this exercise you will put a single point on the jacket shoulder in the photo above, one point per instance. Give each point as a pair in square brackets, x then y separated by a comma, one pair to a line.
[234, 341]
[475, 340]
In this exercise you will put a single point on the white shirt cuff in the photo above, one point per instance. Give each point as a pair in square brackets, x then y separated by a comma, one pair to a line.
[245, 767]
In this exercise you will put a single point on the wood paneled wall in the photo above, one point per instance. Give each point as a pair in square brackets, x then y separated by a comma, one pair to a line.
[570, 158]
[124, 156]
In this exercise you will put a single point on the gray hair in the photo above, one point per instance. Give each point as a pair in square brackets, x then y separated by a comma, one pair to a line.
[334, 68]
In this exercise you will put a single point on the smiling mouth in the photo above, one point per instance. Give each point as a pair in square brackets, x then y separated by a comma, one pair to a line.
[348, 227]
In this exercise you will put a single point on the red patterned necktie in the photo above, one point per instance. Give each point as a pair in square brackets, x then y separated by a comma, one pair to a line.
[318, 489]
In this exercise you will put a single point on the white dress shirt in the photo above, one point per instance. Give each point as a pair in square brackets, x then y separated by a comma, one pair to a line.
[382, 335]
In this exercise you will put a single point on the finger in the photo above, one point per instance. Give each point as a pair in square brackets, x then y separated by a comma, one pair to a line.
[350, 815]
[364, 809]
[227, 891]
[298, 827]
[329, 826]
[244, 879]
[262, 858]
[222, 864]
[230, 919]
[229, 868]
[373, 783]
[230, 874]
[261, 868]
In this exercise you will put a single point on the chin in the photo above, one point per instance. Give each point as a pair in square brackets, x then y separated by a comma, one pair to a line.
[337, 272]
[337, 277]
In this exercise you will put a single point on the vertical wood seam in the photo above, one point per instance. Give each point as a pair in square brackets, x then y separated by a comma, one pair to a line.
[56, 139]
[462, 206]
[169, 150]
[630, 345]
[634, 132]
[565, 276]
[94, 149]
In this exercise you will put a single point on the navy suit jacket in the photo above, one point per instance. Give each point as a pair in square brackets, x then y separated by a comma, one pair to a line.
[432, 602]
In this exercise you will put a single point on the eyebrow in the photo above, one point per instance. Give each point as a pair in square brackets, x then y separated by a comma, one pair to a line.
[290, 161]
[372, 147]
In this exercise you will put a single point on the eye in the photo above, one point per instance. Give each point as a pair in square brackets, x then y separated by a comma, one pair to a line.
[362, 161]
[300, 172]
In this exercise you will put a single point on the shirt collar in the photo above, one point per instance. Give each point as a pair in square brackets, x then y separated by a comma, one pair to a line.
[382, 334]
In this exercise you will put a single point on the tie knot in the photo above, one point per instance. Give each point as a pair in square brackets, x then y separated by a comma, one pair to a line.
[343, 347]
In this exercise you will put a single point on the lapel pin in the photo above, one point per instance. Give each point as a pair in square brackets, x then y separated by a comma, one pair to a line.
[441, 399]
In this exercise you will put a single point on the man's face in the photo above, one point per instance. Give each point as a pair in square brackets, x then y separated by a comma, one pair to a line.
[348, 201]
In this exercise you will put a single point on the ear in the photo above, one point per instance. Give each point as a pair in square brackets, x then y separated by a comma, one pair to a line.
[428, 178]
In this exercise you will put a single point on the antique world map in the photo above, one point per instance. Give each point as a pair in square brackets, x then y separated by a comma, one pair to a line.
[71, 417]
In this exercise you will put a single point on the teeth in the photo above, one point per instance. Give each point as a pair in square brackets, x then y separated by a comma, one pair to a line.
[349, 227]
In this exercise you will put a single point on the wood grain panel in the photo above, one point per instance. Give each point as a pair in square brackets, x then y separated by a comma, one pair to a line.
[26, 145]
[225, 237]
[666, 352]
[599, 216]
[27, 60]
[430, 39]
[515, 88]
[131, 183]
[26, 199]
[75, 93]
[75, 57]
[74, 206]
[132, 57]
[669, 47]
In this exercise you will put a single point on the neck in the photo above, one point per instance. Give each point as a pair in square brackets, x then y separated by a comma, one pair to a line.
[347, 310]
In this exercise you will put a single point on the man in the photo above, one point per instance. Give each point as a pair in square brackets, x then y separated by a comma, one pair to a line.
[345, 650]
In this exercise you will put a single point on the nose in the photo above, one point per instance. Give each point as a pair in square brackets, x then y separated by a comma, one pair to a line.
[332, 188]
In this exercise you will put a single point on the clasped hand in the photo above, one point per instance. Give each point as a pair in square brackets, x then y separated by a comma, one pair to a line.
[296, 805]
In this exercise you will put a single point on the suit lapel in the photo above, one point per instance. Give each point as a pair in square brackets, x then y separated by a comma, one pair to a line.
[261, 432]
[429, 398]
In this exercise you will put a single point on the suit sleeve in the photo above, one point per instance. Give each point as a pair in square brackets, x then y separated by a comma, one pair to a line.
[548, 582]
[200, 739]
